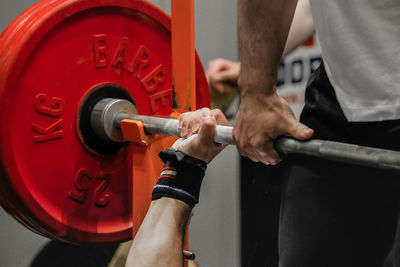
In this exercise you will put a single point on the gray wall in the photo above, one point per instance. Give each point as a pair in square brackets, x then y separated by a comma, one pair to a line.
[214, 235]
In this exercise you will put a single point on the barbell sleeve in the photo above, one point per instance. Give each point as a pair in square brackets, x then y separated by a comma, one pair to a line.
[106, 115]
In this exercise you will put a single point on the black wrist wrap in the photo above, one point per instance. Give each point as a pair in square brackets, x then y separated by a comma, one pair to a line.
[180, 178]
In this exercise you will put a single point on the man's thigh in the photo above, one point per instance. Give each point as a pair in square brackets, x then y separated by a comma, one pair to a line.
[336, 214]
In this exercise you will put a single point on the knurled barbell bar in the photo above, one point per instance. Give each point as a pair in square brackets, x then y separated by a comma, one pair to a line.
[108, 114]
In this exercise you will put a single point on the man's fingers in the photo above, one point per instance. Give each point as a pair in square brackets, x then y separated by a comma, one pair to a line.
[195, 121]
[214, 67]
[183, 128]
[190, 123]
[182, 124]
[221, 71]
[219, 117]
[253, 159]
[193, 127]
[258, 150]
[268, 155]
[227, 75]
[263, 150]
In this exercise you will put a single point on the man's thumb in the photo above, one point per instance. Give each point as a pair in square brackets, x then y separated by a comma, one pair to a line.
[300, 131]
[207, 127]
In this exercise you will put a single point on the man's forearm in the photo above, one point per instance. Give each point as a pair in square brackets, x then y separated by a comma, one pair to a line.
[160, 239]
[263, 28]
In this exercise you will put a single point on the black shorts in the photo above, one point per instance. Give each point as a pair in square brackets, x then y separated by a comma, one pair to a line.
[335, 214]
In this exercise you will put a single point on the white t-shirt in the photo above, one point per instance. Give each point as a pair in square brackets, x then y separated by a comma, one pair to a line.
[360, 45]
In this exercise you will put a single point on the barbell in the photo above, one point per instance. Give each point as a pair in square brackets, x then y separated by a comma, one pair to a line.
[108, 114]
[86, 91]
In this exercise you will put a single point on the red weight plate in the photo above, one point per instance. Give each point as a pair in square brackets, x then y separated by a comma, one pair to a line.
[47, 68]
[9, 201]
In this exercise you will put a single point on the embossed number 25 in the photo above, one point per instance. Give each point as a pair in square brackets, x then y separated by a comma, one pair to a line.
[85, 183]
